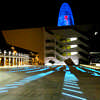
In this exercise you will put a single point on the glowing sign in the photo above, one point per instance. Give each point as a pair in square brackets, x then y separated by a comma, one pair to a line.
[65, 16]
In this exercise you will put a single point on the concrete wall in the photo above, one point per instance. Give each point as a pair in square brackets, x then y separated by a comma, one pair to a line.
[30, 38]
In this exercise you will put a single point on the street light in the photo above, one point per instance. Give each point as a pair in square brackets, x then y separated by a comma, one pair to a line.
[5, 52]
[4, 57]
[0, 51]
[95, 33]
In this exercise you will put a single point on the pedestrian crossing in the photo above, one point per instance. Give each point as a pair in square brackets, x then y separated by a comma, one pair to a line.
[71, 90]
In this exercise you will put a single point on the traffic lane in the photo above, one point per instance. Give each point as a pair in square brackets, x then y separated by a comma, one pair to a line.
[46, 88]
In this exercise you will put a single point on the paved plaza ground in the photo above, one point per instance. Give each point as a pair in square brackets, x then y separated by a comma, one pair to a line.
[49, 83]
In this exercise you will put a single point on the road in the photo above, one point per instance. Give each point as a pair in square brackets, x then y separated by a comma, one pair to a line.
[50, 83]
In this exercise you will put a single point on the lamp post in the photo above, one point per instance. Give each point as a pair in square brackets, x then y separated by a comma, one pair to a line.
[9, 58]
[19, 59]
[16, 58]
[0, 58]
[5, 57]
[13, 58]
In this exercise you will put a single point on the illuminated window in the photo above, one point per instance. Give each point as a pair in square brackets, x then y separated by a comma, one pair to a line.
[73, 39]
[71, 53]
[74, 46]
[65, 15]
[74, 53]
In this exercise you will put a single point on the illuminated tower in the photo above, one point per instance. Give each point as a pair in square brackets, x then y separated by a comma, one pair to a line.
[65, 17]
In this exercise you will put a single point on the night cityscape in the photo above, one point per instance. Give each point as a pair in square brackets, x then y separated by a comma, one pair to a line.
[50, 51]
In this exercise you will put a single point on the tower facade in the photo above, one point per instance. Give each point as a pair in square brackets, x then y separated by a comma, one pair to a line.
[65, 17]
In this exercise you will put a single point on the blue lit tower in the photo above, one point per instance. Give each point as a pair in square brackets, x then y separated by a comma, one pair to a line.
[65, 17]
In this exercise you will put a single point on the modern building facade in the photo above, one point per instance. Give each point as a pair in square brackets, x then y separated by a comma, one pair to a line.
[53, 44]
[11, 55]
[65, 42]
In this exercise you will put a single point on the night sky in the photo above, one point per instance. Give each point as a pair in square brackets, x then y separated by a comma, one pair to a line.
[45, 13]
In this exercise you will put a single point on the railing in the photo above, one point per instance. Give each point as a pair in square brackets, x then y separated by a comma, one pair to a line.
[50, 41]
[81, 39]
[83, 54]
[50, 48]
[50, 55]
[83, 47]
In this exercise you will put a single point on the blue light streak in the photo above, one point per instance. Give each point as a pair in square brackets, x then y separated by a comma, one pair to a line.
[95, 74]
[67, 68]
[72, 86]
[70, 82]
[80, 92]
[3, 91]
[80, 69]
[22, 69]
[70, 77]
[74, 96]
[37, 70]
[91, 69]
[58, 68]
[3, 88]
[24, 81]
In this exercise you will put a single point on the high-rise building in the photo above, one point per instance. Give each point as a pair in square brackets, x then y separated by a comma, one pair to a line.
[65, 17]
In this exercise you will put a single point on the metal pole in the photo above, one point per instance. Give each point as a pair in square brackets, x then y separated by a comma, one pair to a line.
[4, 57]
